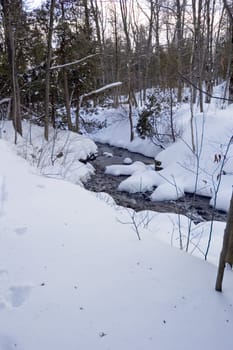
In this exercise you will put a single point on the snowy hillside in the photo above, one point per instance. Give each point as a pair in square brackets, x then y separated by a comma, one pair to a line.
[73, 277]
[64, 156]
[132, 100]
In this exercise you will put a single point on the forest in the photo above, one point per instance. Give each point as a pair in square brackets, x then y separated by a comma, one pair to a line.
[57, 54]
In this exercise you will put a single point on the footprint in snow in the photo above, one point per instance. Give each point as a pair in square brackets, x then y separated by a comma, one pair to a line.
[3, 272]
[8, 343]
[40, 186]
[17, 295]
[21, 230]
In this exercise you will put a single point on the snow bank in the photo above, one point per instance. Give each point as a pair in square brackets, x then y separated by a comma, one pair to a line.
[74, 277]
[117, 132]
[171, 191]
[202, 170]
[117, 170]
[141, 181]
[61, 157]
[207, 171]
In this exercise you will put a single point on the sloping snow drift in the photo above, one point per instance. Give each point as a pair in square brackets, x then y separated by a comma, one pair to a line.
[73, 277]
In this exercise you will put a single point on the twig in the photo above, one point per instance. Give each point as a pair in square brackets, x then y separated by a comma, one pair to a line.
[203, 91]
[74, 62]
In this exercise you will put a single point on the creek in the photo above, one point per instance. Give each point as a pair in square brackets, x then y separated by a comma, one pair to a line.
[194, 206]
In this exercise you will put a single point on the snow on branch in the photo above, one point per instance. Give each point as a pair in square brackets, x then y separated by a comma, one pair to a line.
[5, 100]
[103, 88]
[74, 62]
[203, 91]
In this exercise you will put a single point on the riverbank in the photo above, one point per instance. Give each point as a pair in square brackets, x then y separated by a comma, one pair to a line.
[199, 162]
[195, 207]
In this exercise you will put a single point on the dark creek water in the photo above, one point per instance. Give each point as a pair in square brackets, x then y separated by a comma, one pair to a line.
[195, 207]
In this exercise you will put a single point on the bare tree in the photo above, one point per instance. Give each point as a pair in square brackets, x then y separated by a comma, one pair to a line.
[210, 14]
[229, 9]
[196, 65]
[116, 52]
[146, 50]
[226, 255]
[48, 64]
[64, 70]
[125, 16]
[179, 33]
[11, 15]
[95, 10]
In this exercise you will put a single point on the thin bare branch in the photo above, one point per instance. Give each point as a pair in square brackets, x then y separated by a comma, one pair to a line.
[203, 91]
[74, 62]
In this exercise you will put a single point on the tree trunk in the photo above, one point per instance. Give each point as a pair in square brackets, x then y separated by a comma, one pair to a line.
[131, 119]
[126, 27]
[226, 255]
[11, 13]
[48, 64]
[171, 117]
[65, 76]
[197, 56]
[95, 13]
[231, 69]
[230, 15]
[116, 52]
[209, 54]
[15, 92]
[180, 8]
[77, 118]
[67, 100]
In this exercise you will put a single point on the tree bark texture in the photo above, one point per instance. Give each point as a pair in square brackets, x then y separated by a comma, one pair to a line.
[11, 13]
[226, 255]
[229, 10]
[48, 64]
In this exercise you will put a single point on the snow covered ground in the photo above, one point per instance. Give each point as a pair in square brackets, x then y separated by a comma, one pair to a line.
[117, 132]
[73, 274]
[63, 156]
